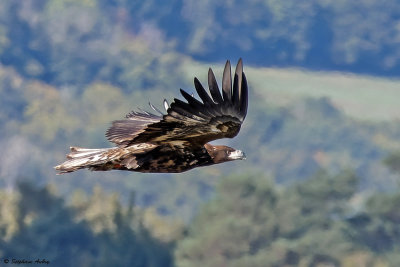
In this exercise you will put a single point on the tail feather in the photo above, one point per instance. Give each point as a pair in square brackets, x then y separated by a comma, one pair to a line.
[80, 158]
[79, 152]
[103, 159]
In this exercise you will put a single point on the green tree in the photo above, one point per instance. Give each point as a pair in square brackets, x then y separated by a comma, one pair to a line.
[311, 217]
[251, 222]
[393, 162]
[46, 230]
[44, 227]
[238, 223]
[377, 228]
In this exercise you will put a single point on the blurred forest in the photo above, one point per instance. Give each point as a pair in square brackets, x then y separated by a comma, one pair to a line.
[321, 183]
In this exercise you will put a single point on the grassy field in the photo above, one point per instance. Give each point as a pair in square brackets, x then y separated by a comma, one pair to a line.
[361, 97]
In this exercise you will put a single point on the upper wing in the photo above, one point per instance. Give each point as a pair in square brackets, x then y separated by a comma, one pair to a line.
[217, 116]
[122, 132]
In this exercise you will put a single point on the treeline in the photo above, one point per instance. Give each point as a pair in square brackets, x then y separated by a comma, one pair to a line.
[250, 222]
[318, 222]
[91, 230]
[74, 43]
[40, 121]
[44, 39]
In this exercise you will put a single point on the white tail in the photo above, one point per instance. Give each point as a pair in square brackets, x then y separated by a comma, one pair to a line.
[103, 159]
[80, 158]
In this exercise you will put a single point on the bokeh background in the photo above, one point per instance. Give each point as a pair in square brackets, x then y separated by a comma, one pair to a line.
[320, 186]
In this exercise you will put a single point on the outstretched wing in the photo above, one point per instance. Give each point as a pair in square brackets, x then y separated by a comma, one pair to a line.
[217, 116]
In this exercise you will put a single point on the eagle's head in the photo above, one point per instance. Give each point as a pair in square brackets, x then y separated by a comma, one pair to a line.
[221, 154]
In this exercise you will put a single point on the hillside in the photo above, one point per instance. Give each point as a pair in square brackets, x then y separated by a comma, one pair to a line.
[298, 122]
[366, 98]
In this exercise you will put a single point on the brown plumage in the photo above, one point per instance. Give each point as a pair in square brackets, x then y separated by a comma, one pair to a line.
[176, 141]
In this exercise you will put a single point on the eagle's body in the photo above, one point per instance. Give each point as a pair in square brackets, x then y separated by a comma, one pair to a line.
[176, 141]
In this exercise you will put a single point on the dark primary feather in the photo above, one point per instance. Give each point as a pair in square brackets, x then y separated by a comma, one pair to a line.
[213, 86]
[227, 82]
[198, 122]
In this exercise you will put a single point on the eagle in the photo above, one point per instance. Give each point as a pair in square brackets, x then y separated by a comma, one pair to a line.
[175, 141]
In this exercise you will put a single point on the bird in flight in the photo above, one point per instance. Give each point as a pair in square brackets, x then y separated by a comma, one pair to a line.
[178, 140]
